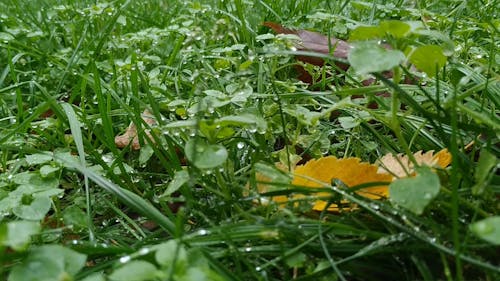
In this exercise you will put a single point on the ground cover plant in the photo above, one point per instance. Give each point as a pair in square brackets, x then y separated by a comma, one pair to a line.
[228, 140]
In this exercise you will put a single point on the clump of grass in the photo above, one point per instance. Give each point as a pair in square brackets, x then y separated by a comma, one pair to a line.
[73, 76]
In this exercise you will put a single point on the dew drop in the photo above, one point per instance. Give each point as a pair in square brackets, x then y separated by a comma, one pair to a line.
[144, 251]
[107, 158]
[240, 145]
[203, 232]
[125, 259]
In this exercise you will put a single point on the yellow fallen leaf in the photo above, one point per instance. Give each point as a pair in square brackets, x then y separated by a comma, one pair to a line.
[351, 171]
[400, 165]
[443, 158]
[130, 136]
[262, 187]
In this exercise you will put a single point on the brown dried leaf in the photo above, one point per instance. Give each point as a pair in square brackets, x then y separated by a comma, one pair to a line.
[130, 136]
[319, 43]
[314, 42]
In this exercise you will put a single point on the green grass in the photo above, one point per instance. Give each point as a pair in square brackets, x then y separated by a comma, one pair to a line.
[75, 74]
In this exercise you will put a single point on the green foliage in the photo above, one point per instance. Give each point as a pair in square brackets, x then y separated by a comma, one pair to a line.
[428, 58]
[204, 155]
[134, 271]
[368, 57]
[173, 262]
[487, 229]
[415, 193]
[30, 197]
[484, 171]
[49, 262]
[227, 106]
[17, 234]
[180, 178]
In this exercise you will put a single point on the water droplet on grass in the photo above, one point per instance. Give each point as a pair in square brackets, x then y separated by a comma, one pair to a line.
[144, 251]
[203, 232]
[125, 259]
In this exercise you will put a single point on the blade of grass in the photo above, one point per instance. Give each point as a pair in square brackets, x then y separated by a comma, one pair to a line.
[455, 182]
[127, 197]
[76, 131]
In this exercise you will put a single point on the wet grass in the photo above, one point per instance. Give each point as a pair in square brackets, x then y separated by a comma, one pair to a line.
[74, 75]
